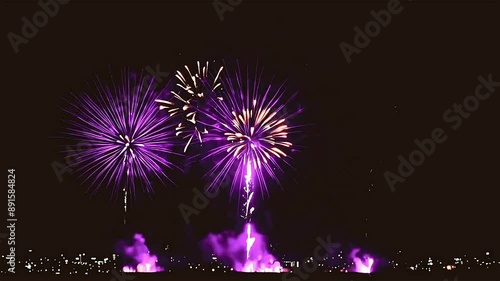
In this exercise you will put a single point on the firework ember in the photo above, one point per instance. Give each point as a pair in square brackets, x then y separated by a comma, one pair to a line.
[195, 89]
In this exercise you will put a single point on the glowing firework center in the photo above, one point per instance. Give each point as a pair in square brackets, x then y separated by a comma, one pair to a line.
[128, 150]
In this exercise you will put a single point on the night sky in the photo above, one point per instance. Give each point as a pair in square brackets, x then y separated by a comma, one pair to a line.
[360, 117]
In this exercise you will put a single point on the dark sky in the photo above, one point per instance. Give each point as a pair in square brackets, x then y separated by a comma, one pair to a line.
[362, 115]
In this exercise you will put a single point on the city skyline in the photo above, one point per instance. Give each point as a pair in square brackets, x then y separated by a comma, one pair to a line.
[86, 263]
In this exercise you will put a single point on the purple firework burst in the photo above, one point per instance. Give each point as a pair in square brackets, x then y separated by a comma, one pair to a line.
[122, 138]
[194, 90]
[252, 128]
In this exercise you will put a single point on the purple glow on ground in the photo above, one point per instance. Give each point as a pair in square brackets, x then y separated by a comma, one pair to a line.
[144, 261]
[362, 263]
[245, 252]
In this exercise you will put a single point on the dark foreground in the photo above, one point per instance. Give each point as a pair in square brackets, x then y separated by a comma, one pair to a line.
[394, 276]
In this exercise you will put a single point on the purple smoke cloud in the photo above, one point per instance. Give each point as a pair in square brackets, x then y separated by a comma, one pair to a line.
[245, 252]
[144, 261]
[363, 263]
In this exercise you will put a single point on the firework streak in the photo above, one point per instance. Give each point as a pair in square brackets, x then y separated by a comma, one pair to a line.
[195, 90]
[128, 141]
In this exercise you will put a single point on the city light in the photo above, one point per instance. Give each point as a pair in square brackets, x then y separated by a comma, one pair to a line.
[80, 264]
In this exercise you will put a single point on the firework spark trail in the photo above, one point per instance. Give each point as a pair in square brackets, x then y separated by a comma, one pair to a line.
[248, 210]
[250, 125]
[189, 101]
[248, 194]
[130, 141]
